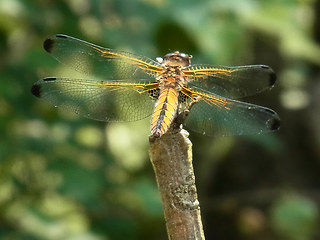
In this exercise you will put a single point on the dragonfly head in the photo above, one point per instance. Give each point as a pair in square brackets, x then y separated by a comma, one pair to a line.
[176, 59]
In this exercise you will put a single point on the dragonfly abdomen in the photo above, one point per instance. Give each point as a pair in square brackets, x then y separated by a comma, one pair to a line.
[164, 111]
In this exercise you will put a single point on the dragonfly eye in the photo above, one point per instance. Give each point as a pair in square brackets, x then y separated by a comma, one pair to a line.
[177, 59]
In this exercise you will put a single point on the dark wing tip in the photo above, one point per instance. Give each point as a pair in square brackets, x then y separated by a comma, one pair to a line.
[274, 124]
[273, 120]
[36, 90]
[272, 75]
[48, 44]
[273, 78]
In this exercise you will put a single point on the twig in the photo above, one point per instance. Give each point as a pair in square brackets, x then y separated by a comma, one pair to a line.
[171, 157]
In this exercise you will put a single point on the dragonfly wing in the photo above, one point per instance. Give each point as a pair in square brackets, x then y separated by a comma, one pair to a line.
[99, 62]
[216, 116]
[99, 100]
[231, 82]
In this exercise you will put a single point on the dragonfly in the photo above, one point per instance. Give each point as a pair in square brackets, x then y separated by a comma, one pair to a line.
[122, 86]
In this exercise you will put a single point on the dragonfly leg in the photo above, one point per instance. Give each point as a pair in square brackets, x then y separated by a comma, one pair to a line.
[183, 114]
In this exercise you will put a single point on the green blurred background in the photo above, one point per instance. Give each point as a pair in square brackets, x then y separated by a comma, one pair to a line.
[67, 177]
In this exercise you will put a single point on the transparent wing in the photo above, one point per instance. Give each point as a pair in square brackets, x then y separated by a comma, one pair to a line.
[217, 116]
[99, 100]
[231, 82]
[102, 63]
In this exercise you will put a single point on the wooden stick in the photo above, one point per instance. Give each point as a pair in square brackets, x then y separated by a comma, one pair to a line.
[171, 157]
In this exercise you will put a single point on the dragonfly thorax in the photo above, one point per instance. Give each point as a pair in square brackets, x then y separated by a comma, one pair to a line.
[173, 77]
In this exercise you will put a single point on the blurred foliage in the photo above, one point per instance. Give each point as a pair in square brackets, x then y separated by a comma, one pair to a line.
[294, 218]
[65, 177]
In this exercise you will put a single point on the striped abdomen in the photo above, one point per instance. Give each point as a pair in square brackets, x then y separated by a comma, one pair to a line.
[164, 112]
